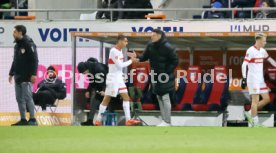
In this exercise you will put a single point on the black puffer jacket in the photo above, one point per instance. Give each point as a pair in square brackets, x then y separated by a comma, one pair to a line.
[163, 59]
[99, 72]
[25, 60]
[56, 87]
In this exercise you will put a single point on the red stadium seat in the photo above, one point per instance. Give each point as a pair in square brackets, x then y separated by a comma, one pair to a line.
[219, 87]
[149, 106]
[193, 86]
[218, 91]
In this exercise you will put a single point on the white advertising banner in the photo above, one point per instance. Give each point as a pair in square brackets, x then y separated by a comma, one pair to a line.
[59, 57]
[57, 33]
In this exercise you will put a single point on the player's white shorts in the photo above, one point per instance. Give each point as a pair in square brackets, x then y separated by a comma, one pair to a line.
[115, 86]
[257, 88]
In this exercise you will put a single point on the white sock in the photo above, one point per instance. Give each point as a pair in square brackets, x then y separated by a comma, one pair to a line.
[102, 109]
[256, 120]
[126, 109]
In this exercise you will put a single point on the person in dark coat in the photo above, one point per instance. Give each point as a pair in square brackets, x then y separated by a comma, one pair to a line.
[50, 89]
[97, 76]
[23, 71]
[163, 60]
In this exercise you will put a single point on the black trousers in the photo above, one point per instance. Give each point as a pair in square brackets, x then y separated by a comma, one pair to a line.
[95, 102]
[42, 98]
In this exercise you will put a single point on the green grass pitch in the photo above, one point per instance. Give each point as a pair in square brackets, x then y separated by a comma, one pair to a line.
[75, 139]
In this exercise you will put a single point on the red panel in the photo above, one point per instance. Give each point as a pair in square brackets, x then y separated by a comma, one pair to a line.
[191, 85]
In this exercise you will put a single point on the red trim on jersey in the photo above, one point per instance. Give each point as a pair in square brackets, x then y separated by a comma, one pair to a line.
[110, 61]
[246, 60]
[123, 88]
[265, 88]
[252, 60]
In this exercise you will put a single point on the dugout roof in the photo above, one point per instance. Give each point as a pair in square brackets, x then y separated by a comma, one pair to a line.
[207, 40]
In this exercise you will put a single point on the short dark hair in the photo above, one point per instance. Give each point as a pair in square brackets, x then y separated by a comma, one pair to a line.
[121, 37]
[158, 31]
[82, 67]
[21, 28]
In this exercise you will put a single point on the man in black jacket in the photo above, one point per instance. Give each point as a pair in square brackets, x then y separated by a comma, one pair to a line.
[23, 69]
[163, 60]
[50, 89]
[97, 75]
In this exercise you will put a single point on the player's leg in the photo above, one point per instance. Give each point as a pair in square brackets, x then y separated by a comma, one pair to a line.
[254, 108]
[265, 100]
[102, 109]
[254, 104]
[254, 94]
[126, 107]
[111, 90]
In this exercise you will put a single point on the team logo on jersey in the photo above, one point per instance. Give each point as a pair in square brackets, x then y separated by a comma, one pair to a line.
[22, 50]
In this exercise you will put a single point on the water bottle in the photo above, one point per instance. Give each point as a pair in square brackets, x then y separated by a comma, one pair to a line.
[104, 119]
[113, 120]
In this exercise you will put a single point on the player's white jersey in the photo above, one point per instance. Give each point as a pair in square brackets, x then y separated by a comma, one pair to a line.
[114, 81]
[255, 59]
[116, 61]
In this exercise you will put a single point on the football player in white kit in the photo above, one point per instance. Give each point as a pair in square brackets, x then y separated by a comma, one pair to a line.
[115, 81]
[254, 58]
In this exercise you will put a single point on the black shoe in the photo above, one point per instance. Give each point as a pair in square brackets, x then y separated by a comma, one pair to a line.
[32, 122]
[87, 123]
[22, 122]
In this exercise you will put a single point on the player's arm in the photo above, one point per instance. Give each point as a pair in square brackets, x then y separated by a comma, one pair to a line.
[271, 61]
[246, 60]
[244, 67]
[118, 62]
